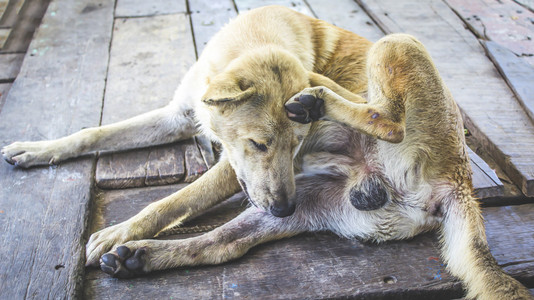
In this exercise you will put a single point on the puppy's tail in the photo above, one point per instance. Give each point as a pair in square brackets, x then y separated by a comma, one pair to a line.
[466, 251]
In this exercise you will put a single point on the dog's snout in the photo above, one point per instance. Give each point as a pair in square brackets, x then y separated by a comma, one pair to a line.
[283, 210]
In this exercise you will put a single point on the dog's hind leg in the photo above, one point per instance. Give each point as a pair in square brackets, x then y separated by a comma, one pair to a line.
[171, 123]
[467, 254]
[316, 206]
[216, 185]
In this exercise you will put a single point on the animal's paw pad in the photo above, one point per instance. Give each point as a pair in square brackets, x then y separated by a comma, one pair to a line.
[305, 108]
[123, 263]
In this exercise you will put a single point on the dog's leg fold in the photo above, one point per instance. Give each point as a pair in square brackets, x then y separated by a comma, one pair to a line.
[216, 185]
[468, 256]
[228, 242]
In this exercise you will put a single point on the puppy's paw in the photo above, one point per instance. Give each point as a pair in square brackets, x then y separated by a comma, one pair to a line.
[306, 106]
[106, 239]
[28, 154]
[126, 261]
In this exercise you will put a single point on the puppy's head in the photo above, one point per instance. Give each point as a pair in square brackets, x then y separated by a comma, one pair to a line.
[244, 110]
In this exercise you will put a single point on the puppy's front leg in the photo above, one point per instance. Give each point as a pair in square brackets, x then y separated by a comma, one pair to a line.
[230, 241]
[217, 184]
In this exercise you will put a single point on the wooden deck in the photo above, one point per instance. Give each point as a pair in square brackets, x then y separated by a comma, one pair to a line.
[96, 62]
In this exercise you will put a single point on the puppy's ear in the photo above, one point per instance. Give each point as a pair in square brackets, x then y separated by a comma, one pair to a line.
[224, 90]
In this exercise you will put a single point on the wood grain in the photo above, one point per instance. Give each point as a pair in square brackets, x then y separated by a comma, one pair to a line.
[149, 57]
[194, 162]
[518, 74]
[490, 110]
[143, 8]
[298, 5]
[44, 211]
[347, 15]
[504, 22]
[207, 18]
[4, 90]
[9, 66]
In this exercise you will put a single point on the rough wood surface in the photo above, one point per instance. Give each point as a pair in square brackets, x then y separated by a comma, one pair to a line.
[490, 110]
[319, 265]
[485, 181]
[348, 15]
[9, 66]
[504, 22]
[141, 8]
[207, 17]
[298, 5]
[194, 162]
[27, 17]
[149, 56]
[158, 165]
[529, 4]
[43, 211]
[518, 74]
[9, 11]
[4, 90]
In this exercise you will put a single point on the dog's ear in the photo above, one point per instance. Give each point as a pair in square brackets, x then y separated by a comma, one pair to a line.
[224, 90]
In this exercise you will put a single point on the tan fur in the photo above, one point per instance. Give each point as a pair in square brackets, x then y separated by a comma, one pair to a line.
[405, 144]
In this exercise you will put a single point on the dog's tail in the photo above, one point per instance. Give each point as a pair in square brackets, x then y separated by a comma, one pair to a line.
[466, 251]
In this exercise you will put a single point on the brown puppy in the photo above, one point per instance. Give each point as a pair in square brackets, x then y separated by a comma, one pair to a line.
[383, 169]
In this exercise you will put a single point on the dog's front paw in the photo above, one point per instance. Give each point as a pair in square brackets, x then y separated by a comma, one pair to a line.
[126, 261]
[306, 106]
[104, 240]
[28, 154]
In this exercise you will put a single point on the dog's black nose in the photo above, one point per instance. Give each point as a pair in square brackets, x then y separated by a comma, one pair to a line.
[283, 210]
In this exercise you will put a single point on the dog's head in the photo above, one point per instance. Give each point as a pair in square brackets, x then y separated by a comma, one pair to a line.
[245, 112]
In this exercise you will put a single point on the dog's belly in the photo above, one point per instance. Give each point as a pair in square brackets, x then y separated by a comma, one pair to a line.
[341, 167]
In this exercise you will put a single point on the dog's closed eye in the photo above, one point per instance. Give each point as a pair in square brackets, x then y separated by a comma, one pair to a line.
[259, 146]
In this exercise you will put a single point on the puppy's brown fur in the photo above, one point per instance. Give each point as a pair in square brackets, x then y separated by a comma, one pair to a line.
[387, 168]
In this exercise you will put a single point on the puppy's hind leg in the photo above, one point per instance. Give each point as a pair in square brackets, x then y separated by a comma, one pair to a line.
[467, 253]
[168, 124]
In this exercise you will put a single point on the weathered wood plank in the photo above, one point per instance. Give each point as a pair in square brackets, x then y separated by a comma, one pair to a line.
[143, 8]
[194, 162]
[207, 17]
[158, 165]
[490, 110]
[348, 15]
[149, 56]
[518, 74]
[206, 149]
[44, 210]
[4, 34]
[26, 17]
[122, 170]
[3, 6]
[529, 4]
[298, 5]
[4, 89]
[9, 66]
[322, 266]
[504, 22]
[485, 181]
[165, 165]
